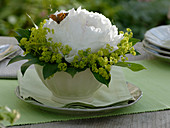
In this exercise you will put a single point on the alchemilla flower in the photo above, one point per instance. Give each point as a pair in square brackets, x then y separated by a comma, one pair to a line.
[74, 40]
[81, 29]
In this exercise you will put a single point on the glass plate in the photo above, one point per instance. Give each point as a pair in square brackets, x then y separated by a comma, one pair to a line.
[135, 92]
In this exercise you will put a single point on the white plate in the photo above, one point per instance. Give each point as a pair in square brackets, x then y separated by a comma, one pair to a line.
[135, 92]
[159, 36]
[155, 48]
[7, 50]
[4, 48]
[157, 54]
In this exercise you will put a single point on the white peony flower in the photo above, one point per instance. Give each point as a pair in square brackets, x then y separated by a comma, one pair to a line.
[82, 29]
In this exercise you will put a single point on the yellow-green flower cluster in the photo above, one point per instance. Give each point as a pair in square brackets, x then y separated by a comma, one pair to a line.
[125, 45]
[47, 50]
[101, 61]
[54, 52]
[98, 62]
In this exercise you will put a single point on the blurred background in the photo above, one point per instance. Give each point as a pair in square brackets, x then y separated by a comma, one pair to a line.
[139, 15]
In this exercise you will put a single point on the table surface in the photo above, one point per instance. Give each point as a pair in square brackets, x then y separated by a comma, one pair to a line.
[160, 119]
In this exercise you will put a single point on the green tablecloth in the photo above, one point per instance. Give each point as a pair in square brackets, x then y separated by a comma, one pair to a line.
[154, 82]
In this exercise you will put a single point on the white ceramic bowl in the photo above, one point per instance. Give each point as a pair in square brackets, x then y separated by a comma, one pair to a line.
[66, 89]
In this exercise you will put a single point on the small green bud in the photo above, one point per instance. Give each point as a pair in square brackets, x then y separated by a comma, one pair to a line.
[50, 39]
[128, 30]
[134, 53]
[115, 61]
[62, 66]
[108, 67]
[121, 32]
[100, 53]
[123, 59]
[52, 31]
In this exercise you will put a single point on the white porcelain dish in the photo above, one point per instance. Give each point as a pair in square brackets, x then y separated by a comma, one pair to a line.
[155, 48]
[135, 92]
[7, 50]
[159, 36]
[163, 57]
[4, 48]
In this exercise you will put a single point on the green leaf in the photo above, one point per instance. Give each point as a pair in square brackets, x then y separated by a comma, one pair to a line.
[15, 59]
[18, 38]
[134, 41]
[23, 33]
[30, 56]
[133, 66]
[19, 58]
[137, 53]
[72, 71]
[26, 65]
[49, 69]
[101, 79]
[32, 60]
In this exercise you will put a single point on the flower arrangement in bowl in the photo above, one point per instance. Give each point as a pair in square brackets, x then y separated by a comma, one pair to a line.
[73, 52]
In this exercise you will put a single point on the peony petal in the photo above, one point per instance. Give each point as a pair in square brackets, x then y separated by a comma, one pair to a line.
[82, 29]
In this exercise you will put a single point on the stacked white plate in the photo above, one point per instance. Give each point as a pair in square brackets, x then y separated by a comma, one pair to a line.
[8, 50]
[157, 42]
